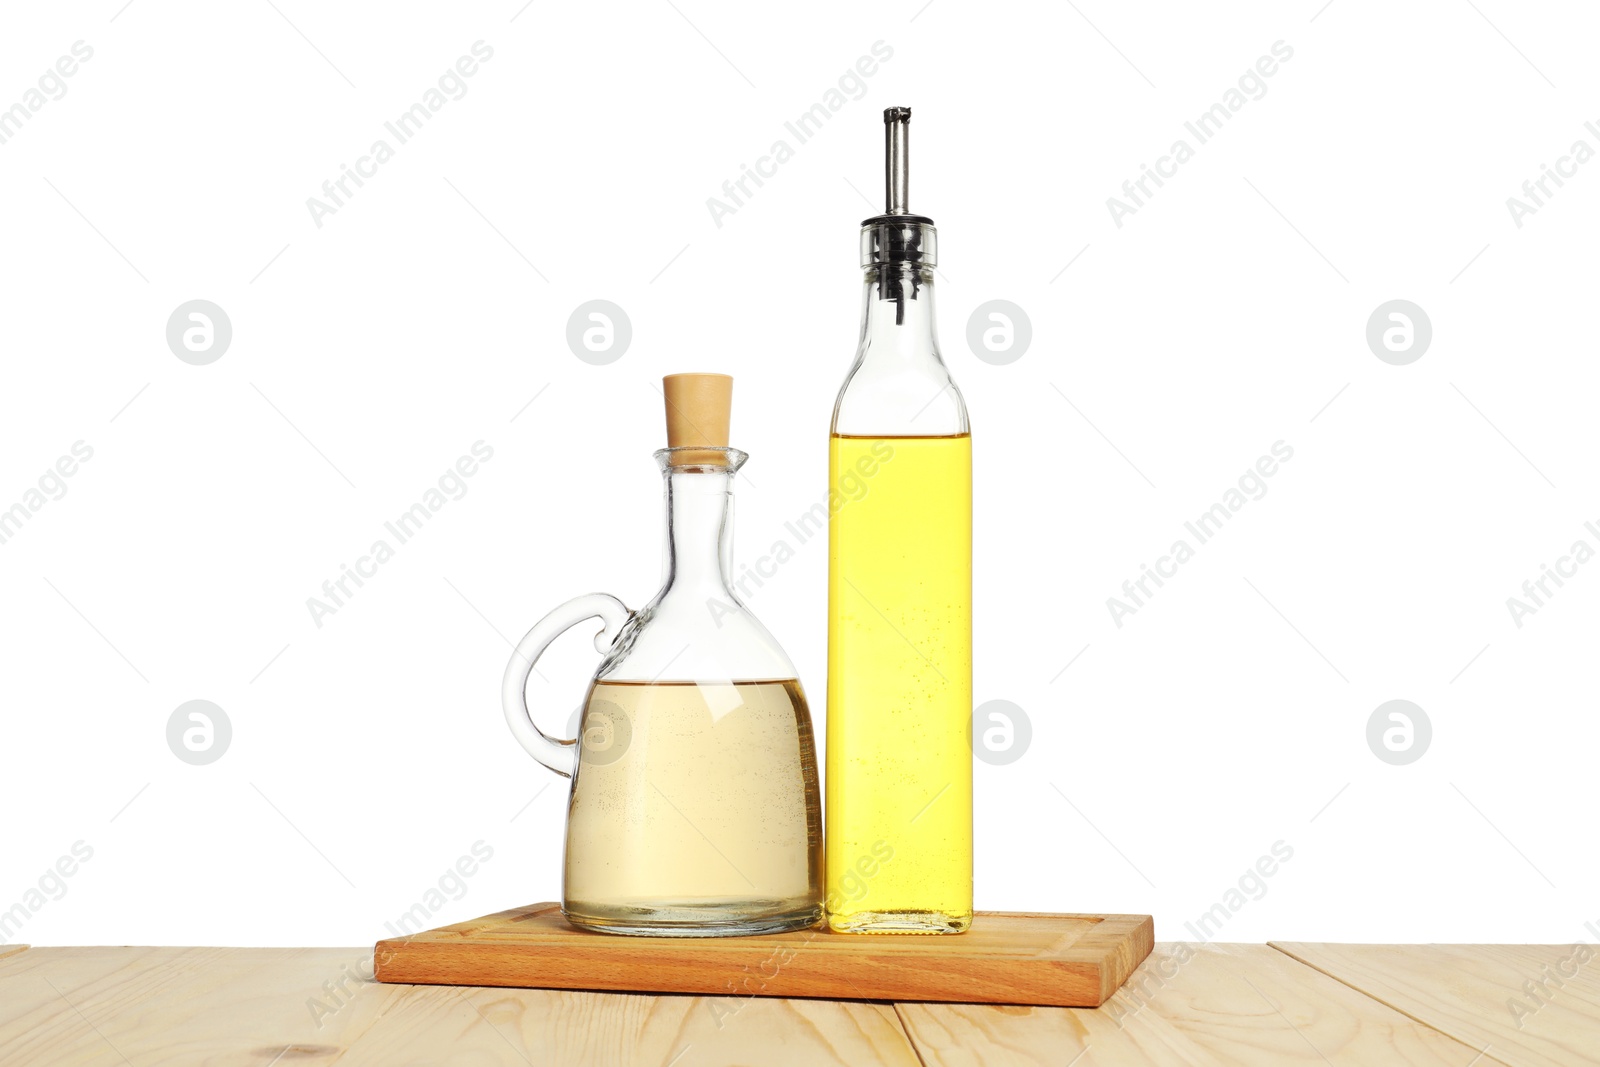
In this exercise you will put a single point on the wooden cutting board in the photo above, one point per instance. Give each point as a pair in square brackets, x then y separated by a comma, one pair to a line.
[1006, 958]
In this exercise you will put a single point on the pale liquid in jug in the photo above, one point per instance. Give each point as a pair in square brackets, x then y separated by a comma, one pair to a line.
[694, 802]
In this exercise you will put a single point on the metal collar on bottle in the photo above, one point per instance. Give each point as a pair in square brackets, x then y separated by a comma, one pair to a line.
[910, 239]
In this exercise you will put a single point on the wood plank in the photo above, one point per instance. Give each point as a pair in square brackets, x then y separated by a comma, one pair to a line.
[11, 950]
[517, 1027]
[1469, 992]
[1205, 1006]
[148, 1006]
[116, 1007]
[1007, 958]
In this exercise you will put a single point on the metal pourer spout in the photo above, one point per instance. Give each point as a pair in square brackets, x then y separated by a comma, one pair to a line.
[897, 244]
[897, 160]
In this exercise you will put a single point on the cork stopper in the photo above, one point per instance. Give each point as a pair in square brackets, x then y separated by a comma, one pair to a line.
[698, 408]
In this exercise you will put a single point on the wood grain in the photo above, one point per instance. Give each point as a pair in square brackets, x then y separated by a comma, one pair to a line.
[469, 1027]
[1208, 1006]
[1468, 991]
[148, 1006]
[1212, 1006]
[1006, 958]
[141, 1007]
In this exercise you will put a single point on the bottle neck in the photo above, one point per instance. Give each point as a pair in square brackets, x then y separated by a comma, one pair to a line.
[699, 548]
[897, 314]
[898, 385]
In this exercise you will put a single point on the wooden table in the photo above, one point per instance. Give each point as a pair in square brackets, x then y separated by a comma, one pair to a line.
[1215, 1005]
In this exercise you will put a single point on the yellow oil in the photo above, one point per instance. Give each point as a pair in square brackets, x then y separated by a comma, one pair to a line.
[899, 752]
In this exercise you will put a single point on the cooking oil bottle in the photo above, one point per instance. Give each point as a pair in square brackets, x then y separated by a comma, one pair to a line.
[899, 756]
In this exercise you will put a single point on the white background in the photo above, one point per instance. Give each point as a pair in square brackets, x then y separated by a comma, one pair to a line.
[368, 354]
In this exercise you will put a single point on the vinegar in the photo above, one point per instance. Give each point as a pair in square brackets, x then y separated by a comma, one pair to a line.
[664, 830]
[899, 751]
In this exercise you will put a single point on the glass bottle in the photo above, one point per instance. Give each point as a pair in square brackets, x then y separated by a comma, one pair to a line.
[694, 808]
[899, 755]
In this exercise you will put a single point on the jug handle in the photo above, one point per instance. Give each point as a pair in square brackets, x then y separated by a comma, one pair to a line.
[557, 753]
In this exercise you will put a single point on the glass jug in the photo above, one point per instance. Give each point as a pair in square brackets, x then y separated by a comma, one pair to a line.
[694, 806]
